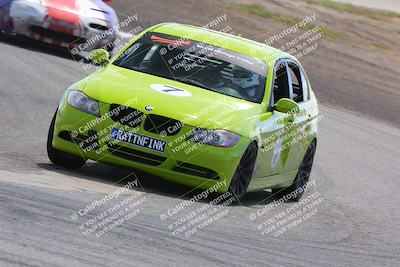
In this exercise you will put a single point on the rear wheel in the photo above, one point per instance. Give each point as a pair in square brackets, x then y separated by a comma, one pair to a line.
[302, 177]
[244, 171]
[59, 157]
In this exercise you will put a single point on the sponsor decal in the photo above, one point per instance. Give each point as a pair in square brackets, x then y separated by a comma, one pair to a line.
[277, 153]
[168, 41]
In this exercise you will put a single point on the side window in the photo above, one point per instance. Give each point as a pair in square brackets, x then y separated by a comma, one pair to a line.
[281, 82]
[305, 85]
[295, 79]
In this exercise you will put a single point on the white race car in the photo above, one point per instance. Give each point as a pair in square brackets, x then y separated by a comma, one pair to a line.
[80, 24]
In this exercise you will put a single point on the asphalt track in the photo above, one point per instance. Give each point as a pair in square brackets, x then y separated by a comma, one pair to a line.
[356, 172]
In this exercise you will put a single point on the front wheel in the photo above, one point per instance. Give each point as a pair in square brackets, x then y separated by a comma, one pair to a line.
[302, 177]
[244, 171]
[59, 157]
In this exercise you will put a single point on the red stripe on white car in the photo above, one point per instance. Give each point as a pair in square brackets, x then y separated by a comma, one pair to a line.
[62, 16]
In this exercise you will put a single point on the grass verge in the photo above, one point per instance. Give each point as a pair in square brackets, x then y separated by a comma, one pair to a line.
[356, 10]
[261, 11]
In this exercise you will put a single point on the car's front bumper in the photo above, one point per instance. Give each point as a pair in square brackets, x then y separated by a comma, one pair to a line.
[184, 162]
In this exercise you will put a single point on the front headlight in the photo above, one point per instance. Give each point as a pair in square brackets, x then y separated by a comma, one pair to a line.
[220, 138]
[82, 102]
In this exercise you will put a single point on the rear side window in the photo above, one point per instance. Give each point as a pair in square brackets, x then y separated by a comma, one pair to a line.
[304, 82]
[295, 78]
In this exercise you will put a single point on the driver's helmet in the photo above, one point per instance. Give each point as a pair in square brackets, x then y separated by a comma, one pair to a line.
[245, 79]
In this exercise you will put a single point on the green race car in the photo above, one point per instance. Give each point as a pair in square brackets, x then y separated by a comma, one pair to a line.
[196, 107]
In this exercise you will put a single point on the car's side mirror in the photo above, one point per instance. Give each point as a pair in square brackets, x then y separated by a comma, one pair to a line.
[286, 105]
[99, 56]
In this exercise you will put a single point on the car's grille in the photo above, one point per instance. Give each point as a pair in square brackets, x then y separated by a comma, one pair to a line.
[126, 116]
[191, 169]
[56, 35]
[86, 142]
[162, 125]
[135, 155]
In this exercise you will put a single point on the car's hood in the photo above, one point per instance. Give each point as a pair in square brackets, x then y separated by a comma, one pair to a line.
[189, 104]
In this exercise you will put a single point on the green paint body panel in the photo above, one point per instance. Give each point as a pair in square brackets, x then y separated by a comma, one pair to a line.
[252, 121]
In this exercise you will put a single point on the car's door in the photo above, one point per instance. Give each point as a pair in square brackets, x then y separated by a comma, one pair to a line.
[275, 147]
[299, 126]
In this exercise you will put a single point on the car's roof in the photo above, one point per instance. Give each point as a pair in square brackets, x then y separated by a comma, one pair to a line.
[227, 41]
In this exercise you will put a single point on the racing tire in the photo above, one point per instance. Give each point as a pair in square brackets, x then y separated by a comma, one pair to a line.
[244, 172]
[302, 176]
[59, 157]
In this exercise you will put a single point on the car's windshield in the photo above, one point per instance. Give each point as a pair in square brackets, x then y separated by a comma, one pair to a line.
[197, 64]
